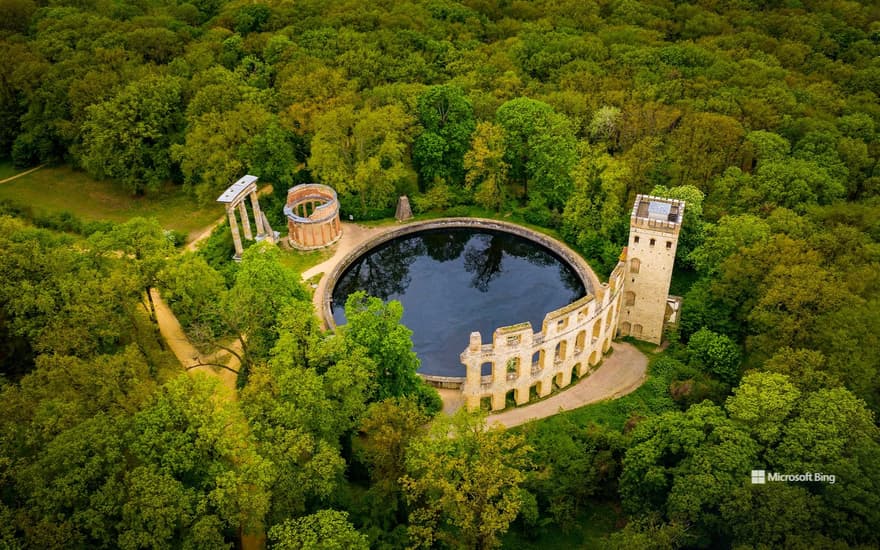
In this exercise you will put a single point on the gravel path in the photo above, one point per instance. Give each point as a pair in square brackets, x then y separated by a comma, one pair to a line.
[620, 373]
[186, 353]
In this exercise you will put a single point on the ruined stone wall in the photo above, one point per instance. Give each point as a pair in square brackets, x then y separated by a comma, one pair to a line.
[571, 344]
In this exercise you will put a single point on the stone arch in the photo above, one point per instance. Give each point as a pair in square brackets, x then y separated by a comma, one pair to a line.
[637, 330]
[514, 368]
[486, 368]
[538, 359]
[579, 342]
[607, 345]
[559, 380]
[536, 388]
[625, 328]
[519, 397]
[597, 329]
[582, 369]
[594, 357]
[609, 317]
[634, 265]
[629, 298]
[560, 351]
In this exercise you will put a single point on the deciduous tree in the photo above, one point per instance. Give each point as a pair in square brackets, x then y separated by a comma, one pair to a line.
[128, 137]
[463, 482]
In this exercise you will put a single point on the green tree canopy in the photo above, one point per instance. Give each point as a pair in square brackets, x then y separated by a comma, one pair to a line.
[539, 148]
[128, 137]
[463, 482]
[447, 117]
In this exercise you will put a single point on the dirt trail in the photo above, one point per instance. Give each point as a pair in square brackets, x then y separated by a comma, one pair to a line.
[620, 373]
[26, 172]
[186, 353]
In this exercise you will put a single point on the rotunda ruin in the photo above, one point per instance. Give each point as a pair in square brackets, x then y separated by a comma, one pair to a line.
[312, 212]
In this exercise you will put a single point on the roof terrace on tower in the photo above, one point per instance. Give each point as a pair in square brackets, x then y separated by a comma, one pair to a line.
[657, 212]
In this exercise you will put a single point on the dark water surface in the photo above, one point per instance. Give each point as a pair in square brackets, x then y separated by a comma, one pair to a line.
[454, 281]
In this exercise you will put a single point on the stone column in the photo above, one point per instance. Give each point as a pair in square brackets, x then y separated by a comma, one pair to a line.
[472, 389]
[499, 398]
[522, 392]
[546, 386]
[258, 214]
[566, 377]
[233, 226]
[583, 367]
[245, 221]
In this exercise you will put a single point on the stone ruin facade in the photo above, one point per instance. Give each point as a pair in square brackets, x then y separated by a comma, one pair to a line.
[234, 199]
[312, 212]
[635, 302]
[570, 345]
[524, 364]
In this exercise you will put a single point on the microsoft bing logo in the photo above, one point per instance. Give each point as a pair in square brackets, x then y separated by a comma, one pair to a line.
[761, 477]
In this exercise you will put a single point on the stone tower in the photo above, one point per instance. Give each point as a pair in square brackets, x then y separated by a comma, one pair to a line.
[653, 239]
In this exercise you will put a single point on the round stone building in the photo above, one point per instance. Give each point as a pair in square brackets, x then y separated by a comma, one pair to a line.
[312, 212]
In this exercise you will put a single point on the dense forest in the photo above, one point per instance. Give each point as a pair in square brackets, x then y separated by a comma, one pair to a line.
[762, 115]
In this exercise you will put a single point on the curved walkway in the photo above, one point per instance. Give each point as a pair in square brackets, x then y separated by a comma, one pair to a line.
[186, 353]
[620, 373]
[353, 235]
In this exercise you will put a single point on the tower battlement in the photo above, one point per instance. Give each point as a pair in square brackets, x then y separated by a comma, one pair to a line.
[657, 213]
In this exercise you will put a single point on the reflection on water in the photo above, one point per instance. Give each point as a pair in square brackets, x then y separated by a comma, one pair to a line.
[455, 281]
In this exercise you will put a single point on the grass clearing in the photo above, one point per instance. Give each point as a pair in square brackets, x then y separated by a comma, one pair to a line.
[649, 399]
[51, 190]
[300, 261]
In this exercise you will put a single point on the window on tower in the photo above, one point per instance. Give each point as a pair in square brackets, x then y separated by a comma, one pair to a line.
[636, 239]
[668, 244]
[653, 241]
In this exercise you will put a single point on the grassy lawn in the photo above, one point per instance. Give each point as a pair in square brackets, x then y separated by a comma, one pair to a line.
[301, 261]
[57, 189]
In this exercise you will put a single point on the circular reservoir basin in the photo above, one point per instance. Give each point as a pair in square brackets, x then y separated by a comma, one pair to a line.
[454, 281]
